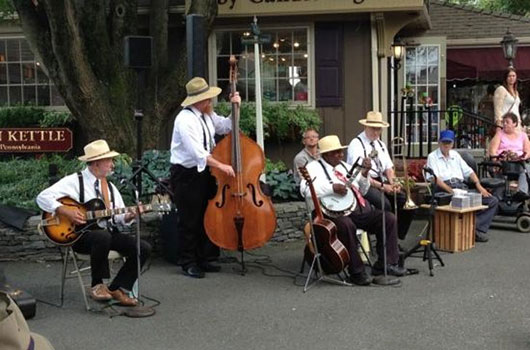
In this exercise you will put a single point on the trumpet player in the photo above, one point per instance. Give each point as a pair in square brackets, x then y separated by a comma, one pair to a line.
[361, 146]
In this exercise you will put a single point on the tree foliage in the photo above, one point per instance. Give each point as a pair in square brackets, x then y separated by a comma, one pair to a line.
[517, 7]
[81, 46]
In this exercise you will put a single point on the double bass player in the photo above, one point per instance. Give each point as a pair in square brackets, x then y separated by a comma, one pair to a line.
[191, 146]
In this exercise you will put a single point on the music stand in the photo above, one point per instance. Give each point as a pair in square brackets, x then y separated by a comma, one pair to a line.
[319, 271]
[427, 243]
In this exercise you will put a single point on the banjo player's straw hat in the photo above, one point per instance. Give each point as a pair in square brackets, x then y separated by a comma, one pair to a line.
[98, 149]
[198, 90]
[374, 119]
[330, 143]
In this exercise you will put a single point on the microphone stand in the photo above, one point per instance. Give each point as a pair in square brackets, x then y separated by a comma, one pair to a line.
[385, 279]
[139, 310]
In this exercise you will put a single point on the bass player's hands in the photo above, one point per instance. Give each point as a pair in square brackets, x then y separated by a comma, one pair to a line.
[72, 213]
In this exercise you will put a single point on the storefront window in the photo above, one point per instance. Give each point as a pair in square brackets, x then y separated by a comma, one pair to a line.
[284, 65]
[22, 81]
[422, 75]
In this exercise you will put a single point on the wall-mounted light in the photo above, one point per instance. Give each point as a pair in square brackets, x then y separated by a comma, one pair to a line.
[509, 46]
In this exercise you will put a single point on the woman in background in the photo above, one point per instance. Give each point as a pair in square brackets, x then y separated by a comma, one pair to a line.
[506, 98]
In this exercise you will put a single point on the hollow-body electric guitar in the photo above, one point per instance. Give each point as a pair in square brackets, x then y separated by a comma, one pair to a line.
[62, 231]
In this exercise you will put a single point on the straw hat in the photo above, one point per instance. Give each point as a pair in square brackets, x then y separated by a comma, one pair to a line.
[98, 149]
[14, 331]
[198, 90]
[375, 120]
[330, 143]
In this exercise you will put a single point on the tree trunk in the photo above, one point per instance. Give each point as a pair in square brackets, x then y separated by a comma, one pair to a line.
[80, 44]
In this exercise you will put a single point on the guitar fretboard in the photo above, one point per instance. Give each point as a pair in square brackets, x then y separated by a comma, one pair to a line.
[105, 213]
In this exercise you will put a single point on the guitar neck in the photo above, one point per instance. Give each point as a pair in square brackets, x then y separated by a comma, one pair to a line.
[105, 213]
[316, 203]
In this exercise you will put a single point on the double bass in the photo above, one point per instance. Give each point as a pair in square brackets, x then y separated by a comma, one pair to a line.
[240, 216]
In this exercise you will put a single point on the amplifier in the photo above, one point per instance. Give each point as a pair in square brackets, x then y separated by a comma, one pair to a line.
[25, 301]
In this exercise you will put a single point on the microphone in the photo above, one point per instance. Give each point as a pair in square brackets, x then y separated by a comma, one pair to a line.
[355, 165]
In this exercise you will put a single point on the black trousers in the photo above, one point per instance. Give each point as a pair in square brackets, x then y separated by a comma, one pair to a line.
[191, 191]
[98, 243]
[371, 220]
[405, 216]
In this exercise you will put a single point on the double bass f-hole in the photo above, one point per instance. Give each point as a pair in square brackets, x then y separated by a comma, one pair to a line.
[253, 190]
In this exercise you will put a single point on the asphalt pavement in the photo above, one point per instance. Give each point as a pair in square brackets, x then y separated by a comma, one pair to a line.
[480, 299]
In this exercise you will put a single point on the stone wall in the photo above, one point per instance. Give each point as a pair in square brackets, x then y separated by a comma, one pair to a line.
[29, 244]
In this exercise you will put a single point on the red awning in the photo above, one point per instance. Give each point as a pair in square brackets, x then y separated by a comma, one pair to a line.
[485, 64]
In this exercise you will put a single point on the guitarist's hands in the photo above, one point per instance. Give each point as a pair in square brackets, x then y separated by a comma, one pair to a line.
[72, 213]
[340, 189]
[132, 212]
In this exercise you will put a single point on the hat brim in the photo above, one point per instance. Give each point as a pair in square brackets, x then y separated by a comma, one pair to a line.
[332, 149]
[110, 154]
[374, 124]
[41, 343]
[210, 93]
[447, 140]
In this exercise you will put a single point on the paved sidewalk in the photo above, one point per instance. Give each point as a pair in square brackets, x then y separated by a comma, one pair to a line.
[479, 300]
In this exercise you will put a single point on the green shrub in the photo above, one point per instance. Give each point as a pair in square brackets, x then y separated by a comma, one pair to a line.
[23, 179]
[281, 122]
[53, 119]
[283, 186]
[28, 116]
[20, 116]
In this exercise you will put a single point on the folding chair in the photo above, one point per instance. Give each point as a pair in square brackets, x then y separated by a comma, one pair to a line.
[68, 254]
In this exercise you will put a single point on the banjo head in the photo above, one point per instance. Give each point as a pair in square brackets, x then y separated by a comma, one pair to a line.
[337, 203]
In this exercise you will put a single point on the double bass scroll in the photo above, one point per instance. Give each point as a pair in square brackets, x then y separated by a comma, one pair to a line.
[240, 216]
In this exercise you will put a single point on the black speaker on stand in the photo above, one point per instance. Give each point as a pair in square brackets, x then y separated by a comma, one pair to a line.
[196, 46]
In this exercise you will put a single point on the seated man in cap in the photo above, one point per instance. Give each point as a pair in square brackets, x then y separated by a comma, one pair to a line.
[451, 171]
[329, 174]
[86, 185]
[192, 184]
[382, 176]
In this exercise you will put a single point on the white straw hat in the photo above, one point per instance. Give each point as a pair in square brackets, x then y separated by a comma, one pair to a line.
[98, 149]
[330, 143]
[14, 331]
[198, 90]
[374, 119]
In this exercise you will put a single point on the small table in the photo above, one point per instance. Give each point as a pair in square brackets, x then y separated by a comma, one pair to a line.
[454, 228]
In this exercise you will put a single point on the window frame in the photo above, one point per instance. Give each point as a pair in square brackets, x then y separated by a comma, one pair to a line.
[309, 27]
[22, 84]
[436, 115]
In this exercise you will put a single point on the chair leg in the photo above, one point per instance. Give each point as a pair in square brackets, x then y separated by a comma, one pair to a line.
[63, 272]
[80, 278]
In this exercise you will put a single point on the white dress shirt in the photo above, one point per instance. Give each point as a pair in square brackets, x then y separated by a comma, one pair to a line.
[188, 140]
[356, 150]
[68, 186]
[322, 184]
[452, 167]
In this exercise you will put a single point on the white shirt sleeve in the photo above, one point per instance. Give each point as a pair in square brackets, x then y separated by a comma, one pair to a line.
[68, 186]
[118, 203]
[355, 150]
[466, 169]
[221, 124]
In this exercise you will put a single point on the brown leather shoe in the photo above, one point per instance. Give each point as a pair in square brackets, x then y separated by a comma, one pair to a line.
[122, 298]
[100, 292]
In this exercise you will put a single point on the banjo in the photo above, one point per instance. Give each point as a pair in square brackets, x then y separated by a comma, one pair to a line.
[336, 205]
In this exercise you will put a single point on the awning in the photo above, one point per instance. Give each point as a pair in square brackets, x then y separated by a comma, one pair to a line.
[485, 64]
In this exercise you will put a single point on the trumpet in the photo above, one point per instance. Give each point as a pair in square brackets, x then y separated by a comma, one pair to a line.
[399, 143]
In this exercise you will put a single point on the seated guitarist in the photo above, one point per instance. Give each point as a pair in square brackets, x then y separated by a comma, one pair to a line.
[93, 182]
[329, 175]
